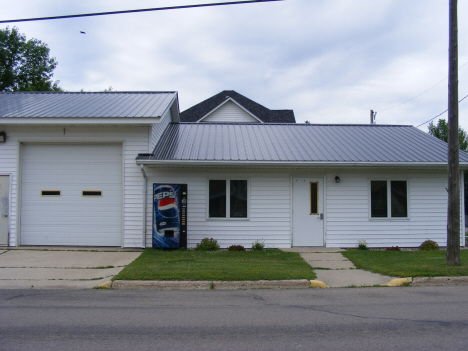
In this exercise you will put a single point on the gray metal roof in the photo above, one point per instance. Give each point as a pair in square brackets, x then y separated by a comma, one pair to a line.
[290, 143]
[74, 105]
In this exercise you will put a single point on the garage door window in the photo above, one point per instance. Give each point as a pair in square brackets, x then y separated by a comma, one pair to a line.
[51, 193]
[91, 193]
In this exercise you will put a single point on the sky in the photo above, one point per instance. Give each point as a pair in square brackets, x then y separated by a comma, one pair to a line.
[331, 61]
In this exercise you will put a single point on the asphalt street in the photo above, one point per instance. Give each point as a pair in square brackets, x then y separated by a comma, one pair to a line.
[417, 318]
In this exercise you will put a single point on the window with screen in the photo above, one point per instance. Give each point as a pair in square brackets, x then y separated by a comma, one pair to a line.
[228, 198]
[389, 199]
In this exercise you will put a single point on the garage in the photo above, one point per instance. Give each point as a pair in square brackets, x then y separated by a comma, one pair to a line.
[71, 194]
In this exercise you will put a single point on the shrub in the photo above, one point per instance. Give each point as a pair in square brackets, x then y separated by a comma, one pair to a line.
[208, 244]
[393, 248]
[236, 248]
[429, 245]
[258, 245]
[362, 245]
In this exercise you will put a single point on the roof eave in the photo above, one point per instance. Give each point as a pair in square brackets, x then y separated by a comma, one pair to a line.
[295, 164]
[79, 120]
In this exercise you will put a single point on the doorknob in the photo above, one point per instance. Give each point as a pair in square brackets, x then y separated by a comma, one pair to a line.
[321, 216]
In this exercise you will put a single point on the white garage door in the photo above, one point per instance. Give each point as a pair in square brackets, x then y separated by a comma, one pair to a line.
[71, 194]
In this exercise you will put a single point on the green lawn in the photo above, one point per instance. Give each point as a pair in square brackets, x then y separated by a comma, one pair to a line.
[408, 263]
[216, 265]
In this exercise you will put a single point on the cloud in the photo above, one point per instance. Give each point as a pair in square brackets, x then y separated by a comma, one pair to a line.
[331, 61]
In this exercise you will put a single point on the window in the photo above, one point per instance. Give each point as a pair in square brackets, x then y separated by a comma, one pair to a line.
[397, 202]
[228, 198]
[51, 193]
[314, 198]
[91, 193]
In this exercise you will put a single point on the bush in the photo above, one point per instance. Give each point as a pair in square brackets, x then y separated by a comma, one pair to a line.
[393, 248]
[236, 248]
[429, 245]
[208, 244]
[362, 245]
[258, 245]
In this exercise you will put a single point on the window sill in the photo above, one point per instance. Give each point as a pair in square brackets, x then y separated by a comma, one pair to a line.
[389, 218]
[227, 219]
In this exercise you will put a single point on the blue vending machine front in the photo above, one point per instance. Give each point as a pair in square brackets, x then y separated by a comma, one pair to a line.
[169, 216]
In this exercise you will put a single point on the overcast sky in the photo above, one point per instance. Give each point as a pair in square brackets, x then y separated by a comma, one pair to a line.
[331, 61]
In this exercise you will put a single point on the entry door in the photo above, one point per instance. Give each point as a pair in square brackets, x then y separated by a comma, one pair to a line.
[308, 212]
[4, 209]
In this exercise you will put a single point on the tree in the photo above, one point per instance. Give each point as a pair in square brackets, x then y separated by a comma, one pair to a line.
[25, 65]
[440, 131]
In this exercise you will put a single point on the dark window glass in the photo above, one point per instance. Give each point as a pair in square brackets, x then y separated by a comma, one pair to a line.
[51, 193]
[313, 198]
[91, 193]
[399, 198]
[238, 199]
[217, 206]
[379, 198]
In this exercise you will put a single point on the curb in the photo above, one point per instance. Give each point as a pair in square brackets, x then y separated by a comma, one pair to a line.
[209, 285]
[398, 282]
[439, 281]
[318, 284]
[105, 285]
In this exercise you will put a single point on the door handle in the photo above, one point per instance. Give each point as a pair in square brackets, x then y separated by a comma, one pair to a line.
[321, 216]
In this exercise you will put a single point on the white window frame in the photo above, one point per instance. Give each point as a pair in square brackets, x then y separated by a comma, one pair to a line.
[228, 200]
[389, 200]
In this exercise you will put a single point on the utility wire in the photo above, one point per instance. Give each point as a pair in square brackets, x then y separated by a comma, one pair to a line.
[425, 91]
[440, 114]
[138, 10]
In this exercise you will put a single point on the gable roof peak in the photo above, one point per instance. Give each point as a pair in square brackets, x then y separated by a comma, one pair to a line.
[265, 115]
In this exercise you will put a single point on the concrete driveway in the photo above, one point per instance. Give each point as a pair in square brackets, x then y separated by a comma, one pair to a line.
[59, 267]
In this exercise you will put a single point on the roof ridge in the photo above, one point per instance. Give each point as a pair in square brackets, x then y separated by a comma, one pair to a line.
[303, 124]
[88, 92]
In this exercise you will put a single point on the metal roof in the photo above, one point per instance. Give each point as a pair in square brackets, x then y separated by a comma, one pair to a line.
[77, 105]
[297, 143]
[200, 110]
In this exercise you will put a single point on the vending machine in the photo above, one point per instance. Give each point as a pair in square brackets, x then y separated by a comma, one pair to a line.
[169, 216]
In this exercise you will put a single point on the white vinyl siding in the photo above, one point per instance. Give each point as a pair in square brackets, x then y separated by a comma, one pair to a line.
[230, 113]
[346, 207]
[348, 218]
[134, 140]
[8, 166]
[269, 208]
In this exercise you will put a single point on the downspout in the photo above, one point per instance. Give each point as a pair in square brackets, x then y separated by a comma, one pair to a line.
[142, 168]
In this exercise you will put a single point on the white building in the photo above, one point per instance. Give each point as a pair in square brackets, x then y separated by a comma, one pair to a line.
[81, 166]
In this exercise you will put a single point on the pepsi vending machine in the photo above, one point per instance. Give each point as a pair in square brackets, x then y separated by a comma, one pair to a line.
[169, 216]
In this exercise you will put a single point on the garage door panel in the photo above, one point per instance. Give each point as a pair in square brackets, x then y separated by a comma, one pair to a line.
[71, 219]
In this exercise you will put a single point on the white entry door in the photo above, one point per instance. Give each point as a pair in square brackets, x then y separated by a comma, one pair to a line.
[308, 212]
[4, 209]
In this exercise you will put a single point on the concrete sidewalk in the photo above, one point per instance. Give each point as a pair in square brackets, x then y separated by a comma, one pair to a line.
[61, 267]
[335, 270]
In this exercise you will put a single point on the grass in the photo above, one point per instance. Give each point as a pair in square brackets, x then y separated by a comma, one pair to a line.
[216, 265]
[408, 263]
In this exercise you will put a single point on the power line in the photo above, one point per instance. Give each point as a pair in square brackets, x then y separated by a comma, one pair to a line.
[440, 114]
[138, 10]
[425, 91]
